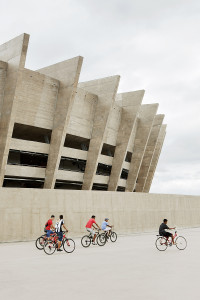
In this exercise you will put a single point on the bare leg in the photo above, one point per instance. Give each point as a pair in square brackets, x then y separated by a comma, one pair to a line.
[94, 237]
[59, 244]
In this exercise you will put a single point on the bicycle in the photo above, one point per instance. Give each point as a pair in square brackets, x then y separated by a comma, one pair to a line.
[51, 245]
[39, 243]
[88, 239]
[105, 236]
[162, 242]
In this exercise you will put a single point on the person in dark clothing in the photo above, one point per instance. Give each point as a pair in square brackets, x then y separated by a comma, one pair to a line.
[162, 231]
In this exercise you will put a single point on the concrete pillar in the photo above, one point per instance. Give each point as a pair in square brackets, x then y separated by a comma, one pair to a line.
[14, 54]
[148, 155]
[105, 89]
[130, 103]
[155, 159]
[3, 71]
[145, 122]
[67, 73]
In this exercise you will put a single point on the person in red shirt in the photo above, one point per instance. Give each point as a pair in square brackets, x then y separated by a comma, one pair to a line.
[89, 226]
[49, 226]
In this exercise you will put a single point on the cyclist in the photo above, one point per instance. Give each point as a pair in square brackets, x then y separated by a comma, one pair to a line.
[49, 226]
[106, 227]
[89, 226]
[59, 225]
[162, 231]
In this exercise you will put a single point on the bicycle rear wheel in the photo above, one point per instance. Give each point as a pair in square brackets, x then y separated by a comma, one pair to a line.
[181, 243]
[101, 239]
[49, 247]
[161, 243]
[39, 243]
[113, 237]
[86, 241]
[68, 245]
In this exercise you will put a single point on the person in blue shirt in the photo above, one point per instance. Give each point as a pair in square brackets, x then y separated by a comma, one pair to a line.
[106, 227]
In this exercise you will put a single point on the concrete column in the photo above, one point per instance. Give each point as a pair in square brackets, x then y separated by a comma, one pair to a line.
[67, 73]
[14, 54]
[148, 155]
[3, 71]
[155, 159]
[145, 122]
[130, 103]
[105, 89]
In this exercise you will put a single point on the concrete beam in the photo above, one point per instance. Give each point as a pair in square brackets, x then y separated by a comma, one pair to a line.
[130, 103]
[14, 54]
[155, 159]
[145, 122]
[105, 89]
[67, 73]
[148, 155]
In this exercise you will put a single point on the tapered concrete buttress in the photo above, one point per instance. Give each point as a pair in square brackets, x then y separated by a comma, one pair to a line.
[105, 89]
[130, 103]
[67, 73]
[148, 155]
[145, 122]
[14, 54]
[155, 159]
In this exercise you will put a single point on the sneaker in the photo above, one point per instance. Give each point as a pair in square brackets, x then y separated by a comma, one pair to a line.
[59, 249]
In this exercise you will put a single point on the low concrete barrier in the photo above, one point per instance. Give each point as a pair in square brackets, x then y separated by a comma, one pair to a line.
[23, 212]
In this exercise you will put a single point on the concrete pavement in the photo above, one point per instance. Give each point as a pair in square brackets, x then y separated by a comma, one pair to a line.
[131, 268]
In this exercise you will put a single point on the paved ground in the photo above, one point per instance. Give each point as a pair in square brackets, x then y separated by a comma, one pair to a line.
[132, 268]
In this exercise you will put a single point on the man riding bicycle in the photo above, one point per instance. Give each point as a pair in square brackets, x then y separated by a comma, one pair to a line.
[106, 227]
[89, 226]
[49, 226]
[164, 233]
[59, 225]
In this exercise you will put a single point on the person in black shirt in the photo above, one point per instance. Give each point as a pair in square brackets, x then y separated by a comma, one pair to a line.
[162, 231]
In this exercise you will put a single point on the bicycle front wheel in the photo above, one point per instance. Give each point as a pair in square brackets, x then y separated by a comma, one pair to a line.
[101, 239]
[161, 243]
[181, 243]
[49, 247]
[68, 245]
[39, 243]
[113, 237]
[85, 241]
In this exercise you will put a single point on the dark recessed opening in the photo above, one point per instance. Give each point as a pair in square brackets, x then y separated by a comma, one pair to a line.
[68, 185]
[72, 164]
[103, 169]
[25, 158]
[99, 187]
[108, 150]
[23, 182]
[121, 189]
[76, 142]
[128, 157]
[31, 133]
[124, 174]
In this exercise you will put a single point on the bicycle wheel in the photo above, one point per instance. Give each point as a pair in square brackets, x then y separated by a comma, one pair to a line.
[49, 247]
[39, 243]
[181, 243]
[161, 243]
[113, 237]
[85, 241]
[101, 239]
[68, 245]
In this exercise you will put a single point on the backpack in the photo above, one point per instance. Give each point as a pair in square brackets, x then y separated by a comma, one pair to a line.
[45, 226]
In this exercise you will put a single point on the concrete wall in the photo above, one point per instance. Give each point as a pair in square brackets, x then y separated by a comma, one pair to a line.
[23, 212]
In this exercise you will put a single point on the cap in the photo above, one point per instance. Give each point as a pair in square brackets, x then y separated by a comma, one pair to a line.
[106, 219]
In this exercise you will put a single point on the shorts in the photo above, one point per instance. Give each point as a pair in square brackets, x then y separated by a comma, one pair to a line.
[167, 234]
[107, 229]
[49, 232]
[91, 231]
[60, 236]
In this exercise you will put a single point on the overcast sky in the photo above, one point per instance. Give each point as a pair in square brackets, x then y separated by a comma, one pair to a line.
[153, 44]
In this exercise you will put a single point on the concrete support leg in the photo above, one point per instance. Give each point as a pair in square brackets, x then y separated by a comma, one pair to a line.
[130, 103]
[145, 122]
[106, 90]
[148, 155]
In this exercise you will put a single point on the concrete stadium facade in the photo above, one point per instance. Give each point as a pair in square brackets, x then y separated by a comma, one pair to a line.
[58, 133]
